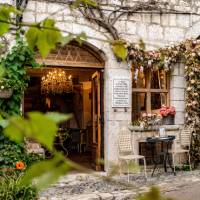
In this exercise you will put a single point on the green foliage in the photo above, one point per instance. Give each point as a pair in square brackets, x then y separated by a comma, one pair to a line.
[58, 117]
[5, 18]
[42, 128]
[119, 48]
[15, 77]
[38, 126]
[15, 64]
[11, 190]
[49, 171]
[44, 36]
[10, 153]
[153, 194]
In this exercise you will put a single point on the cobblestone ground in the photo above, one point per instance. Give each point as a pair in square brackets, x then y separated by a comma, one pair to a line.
[87, 187]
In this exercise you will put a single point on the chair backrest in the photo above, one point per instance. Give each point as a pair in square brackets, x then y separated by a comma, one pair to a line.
[125, 142]
[185, 137]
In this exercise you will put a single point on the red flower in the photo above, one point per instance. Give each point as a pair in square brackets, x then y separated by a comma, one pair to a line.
[20, 165]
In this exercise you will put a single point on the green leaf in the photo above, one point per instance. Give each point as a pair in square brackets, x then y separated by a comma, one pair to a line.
[4, 123]
[17, 129]
[43, 129]
[5, 12]
[44, 36]
[142, 44]
[81, 37]
[66, 39]
[58, 117]
[153, 194]
[32, 36]
[38, 126]
[45, 172]
[77, 3]
[2, 70]
[119, 48]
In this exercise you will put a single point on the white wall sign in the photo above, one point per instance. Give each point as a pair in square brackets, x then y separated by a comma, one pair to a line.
[121, 93]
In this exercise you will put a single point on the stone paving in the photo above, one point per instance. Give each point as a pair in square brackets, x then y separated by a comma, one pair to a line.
[79, 186]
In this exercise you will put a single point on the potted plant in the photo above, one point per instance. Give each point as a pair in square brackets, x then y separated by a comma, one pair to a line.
[5, 88]
[167, 113]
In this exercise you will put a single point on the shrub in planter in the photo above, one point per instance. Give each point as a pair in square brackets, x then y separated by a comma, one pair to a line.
[11, 190]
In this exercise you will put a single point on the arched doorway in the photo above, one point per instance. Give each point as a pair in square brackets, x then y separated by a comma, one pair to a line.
[81, 67]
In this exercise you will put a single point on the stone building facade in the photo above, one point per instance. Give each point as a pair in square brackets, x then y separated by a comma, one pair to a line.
[155, 29]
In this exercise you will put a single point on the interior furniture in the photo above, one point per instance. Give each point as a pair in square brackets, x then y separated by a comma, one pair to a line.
[181, 148]
[166, 140]
[141, 134]
[126, 151]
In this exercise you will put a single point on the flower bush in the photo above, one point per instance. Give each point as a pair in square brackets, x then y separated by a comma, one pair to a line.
[4, 84]
[167, 110]
[147, 119]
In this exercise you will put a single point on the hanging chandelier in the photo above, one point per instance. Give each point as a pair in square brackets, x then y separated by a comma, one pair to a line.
[56, 82]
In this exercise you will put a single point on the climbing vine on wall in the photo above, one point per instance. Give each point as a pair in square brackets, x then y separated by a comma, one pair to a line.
[188, 53]
[15, 64]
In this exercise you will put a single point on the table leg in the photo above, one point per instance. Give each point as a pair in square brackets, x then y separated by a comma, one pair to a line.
[153, 157]
[168, 160]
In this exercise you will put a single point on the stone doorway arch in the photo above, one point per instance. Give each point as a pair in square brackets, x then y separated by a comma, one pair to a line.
[74, 55]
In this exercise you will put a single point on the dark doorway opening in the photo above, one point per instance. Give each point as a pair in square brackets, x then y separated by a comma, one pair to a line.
[75, 137]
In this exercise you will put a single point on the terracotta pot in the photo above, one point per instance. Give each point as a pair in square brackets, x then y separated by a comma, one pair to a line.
[168, 120]
[5, 94]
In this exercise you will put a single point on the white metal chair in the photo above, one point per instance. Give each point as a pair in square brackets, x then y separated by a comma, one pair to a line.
[126, 152]
[182, 148]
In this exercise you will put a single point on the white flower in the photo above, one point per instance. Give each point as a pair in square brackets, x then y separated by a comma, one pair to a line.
[196, 94]
[191, 73]
[189, 89]
[192, 81]
[193, 54]
[2, 87]
[194, 103]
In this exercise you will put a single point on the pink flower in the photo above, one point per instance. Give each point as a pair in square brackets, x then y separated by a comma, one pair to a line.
[167, 110]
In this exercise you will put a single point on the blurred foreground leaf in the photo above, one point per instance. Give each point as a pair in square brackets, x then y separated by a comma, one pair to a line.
[58, 117]
[44, 36]
[5, 17]
[153, 194]
[45, 172]
[38, 126]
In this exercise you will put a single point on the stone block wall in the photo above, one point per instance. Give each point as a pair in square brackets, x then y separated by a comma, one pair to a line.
[177, 92]
[156, 30]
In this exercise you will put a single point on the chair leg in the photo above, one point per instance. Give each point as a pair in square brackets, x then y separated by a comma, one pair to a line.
[173, 162]
[145, 168]
[128, 171]
[189, 161]
[120, 168]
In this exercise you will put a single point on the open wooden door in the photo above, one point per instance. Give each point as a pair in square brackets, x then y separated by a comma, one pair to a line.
[96, 121]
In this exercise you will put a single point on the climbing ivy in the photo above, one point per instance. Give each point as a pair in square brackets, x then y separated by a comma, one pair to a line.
[15, 65]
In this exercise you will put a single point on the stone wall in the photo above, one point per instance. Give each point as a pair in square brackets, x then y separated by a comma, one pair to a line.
[177, 92]
[157, 30]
